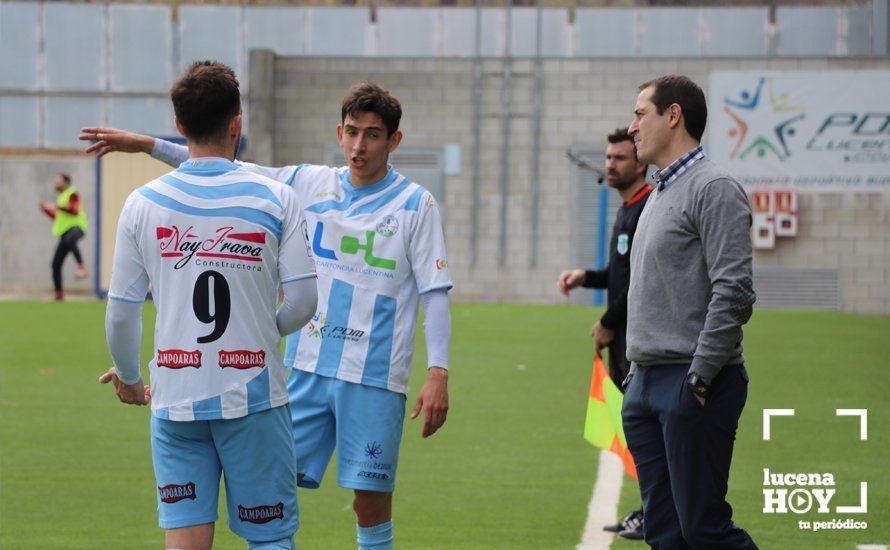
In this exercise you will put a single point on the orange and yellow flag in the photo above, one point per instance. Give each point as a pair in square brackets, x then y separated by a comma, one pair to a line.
[603, 426]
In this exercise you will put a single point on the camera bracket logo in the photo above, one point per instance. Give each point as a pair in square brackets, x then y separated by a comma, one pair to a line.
[801, 493]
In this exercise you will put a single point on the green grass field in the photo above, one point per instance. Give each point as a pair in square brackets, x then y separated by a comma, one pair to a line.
[509, 469]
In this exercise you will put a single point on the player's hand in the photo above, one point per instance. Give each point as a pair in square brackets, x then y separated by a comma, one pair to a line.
[110, 140]
[570, 279]
[601, 335]
[433, 400]
[132, 394]
[47, 206]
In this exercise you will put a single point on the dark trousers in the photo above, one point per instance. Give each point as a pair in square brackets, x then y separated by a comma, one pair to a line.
[67, 243]
[682, 450]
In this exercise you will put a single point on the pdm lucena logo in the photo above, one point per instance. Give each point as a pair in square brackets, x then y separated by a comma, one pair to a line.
[764, 121]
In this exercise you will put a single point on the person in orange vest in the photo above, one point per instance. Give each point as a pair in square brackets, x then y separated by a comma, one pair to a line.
[69, 224]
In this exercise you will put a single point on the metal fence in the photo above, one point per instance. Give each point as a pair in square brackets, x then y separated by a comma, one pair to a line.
[63, 65]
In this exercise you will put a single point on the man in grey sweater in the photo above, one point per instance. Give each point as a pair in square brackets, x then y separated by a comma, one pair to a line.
[690, 293]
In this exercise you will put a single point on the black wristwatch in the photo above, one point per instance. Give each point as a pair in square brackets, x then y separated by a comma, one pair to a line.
[698, 385]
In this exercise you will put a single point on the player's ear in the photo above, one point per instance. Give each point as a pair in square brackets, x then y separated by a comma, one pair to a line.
[340, 134]
[235, 126]
[179, 127]
[394, 140]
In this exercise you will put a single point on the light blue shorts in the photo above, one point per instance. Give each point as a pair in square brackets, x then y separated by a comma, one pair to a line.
[256, 454]
[363, 423]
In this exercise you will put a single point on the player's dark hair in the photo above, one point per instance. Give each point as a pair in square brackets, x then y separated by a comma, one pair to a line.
[65, 176]
[205, 98]
[621, 135]
[687, 94]
[366, 97]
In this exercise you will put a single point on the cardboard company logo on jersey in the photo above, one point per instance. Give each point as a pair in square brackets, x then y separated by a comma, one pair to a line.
[352, 245]
[261, 514]
[184, 244]
[242, 359]
[178, 358]
[172, 494]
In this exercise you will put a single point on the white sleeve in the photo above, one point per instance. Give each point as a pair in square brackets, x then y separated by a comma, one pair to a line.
[169, 153]
[426, 251]
[298, 306]
[126, 293]
[123, 332]
[285, 174]
[437, 327]
[129, 279]
[295, 260]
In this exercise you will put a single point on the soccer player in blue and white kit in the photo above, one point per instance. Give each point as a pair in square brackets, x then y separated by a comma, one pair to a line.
[215, 241]
[379, 249]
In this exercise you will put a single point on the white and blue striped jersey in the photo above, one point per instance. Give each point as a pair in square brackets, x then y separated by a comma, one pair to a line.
[376, 249]
[214, 240]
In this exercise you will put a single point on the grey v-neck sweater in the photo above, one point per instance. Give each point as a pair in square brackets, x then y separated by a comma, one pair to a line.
[691, 288]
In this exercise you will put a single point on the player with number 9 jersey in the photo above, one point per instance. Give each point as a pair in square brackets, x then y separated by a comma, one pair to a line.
[214, 240]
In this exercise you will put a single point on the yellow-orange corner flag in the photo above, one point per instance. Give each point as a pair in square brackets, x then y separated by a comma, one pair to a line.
[603, 427]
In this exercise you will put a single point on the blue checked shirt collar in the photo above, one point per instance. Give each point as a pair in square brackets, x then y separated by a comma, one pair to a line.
[665, 177]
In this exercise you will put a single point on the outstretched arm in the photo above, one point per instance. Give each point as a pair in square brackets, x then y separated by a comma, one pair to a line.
[113, 140]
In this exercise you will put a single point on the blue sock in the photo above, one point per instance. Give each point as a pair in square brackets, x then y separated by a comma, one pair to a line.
[378, 537]
[283, 544]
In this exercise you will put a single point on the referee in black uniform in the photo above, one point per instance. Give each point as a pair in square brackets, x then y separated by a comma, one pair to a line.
[627, 175]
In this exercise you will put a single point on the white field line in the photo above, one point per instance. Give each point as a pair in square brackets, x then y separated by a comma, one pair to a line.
[603, 507]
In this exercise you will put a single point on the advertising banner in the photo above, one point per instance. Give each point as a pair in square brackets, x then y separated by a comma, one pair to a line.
[810, 130]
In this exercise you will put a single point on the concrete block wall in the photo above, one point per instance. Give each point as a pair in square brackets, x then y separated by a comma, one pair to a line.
[26, 241]
[583, 100]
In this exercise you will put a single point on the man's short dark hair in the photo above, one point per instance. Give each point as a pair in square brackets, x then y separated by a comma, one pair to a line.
[621, 135]
[65, 176]
[205, 98]
[366, 97]
[687, 94]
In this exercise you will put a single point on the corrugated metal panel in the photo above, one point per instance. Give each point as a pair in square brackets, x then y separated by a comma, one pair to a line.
[19, 121]
[65, 116]
[605, 32]
[211, 32]
[407, 31]
[808, 30]
[554, 31]
[19, 45]
[858, 31]
[668, 32]
[153, 116]
[735, 32]
[458, 32]
[788, 288]
[276, 28]
[141, 48]
[75, 46]
[329, 26]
